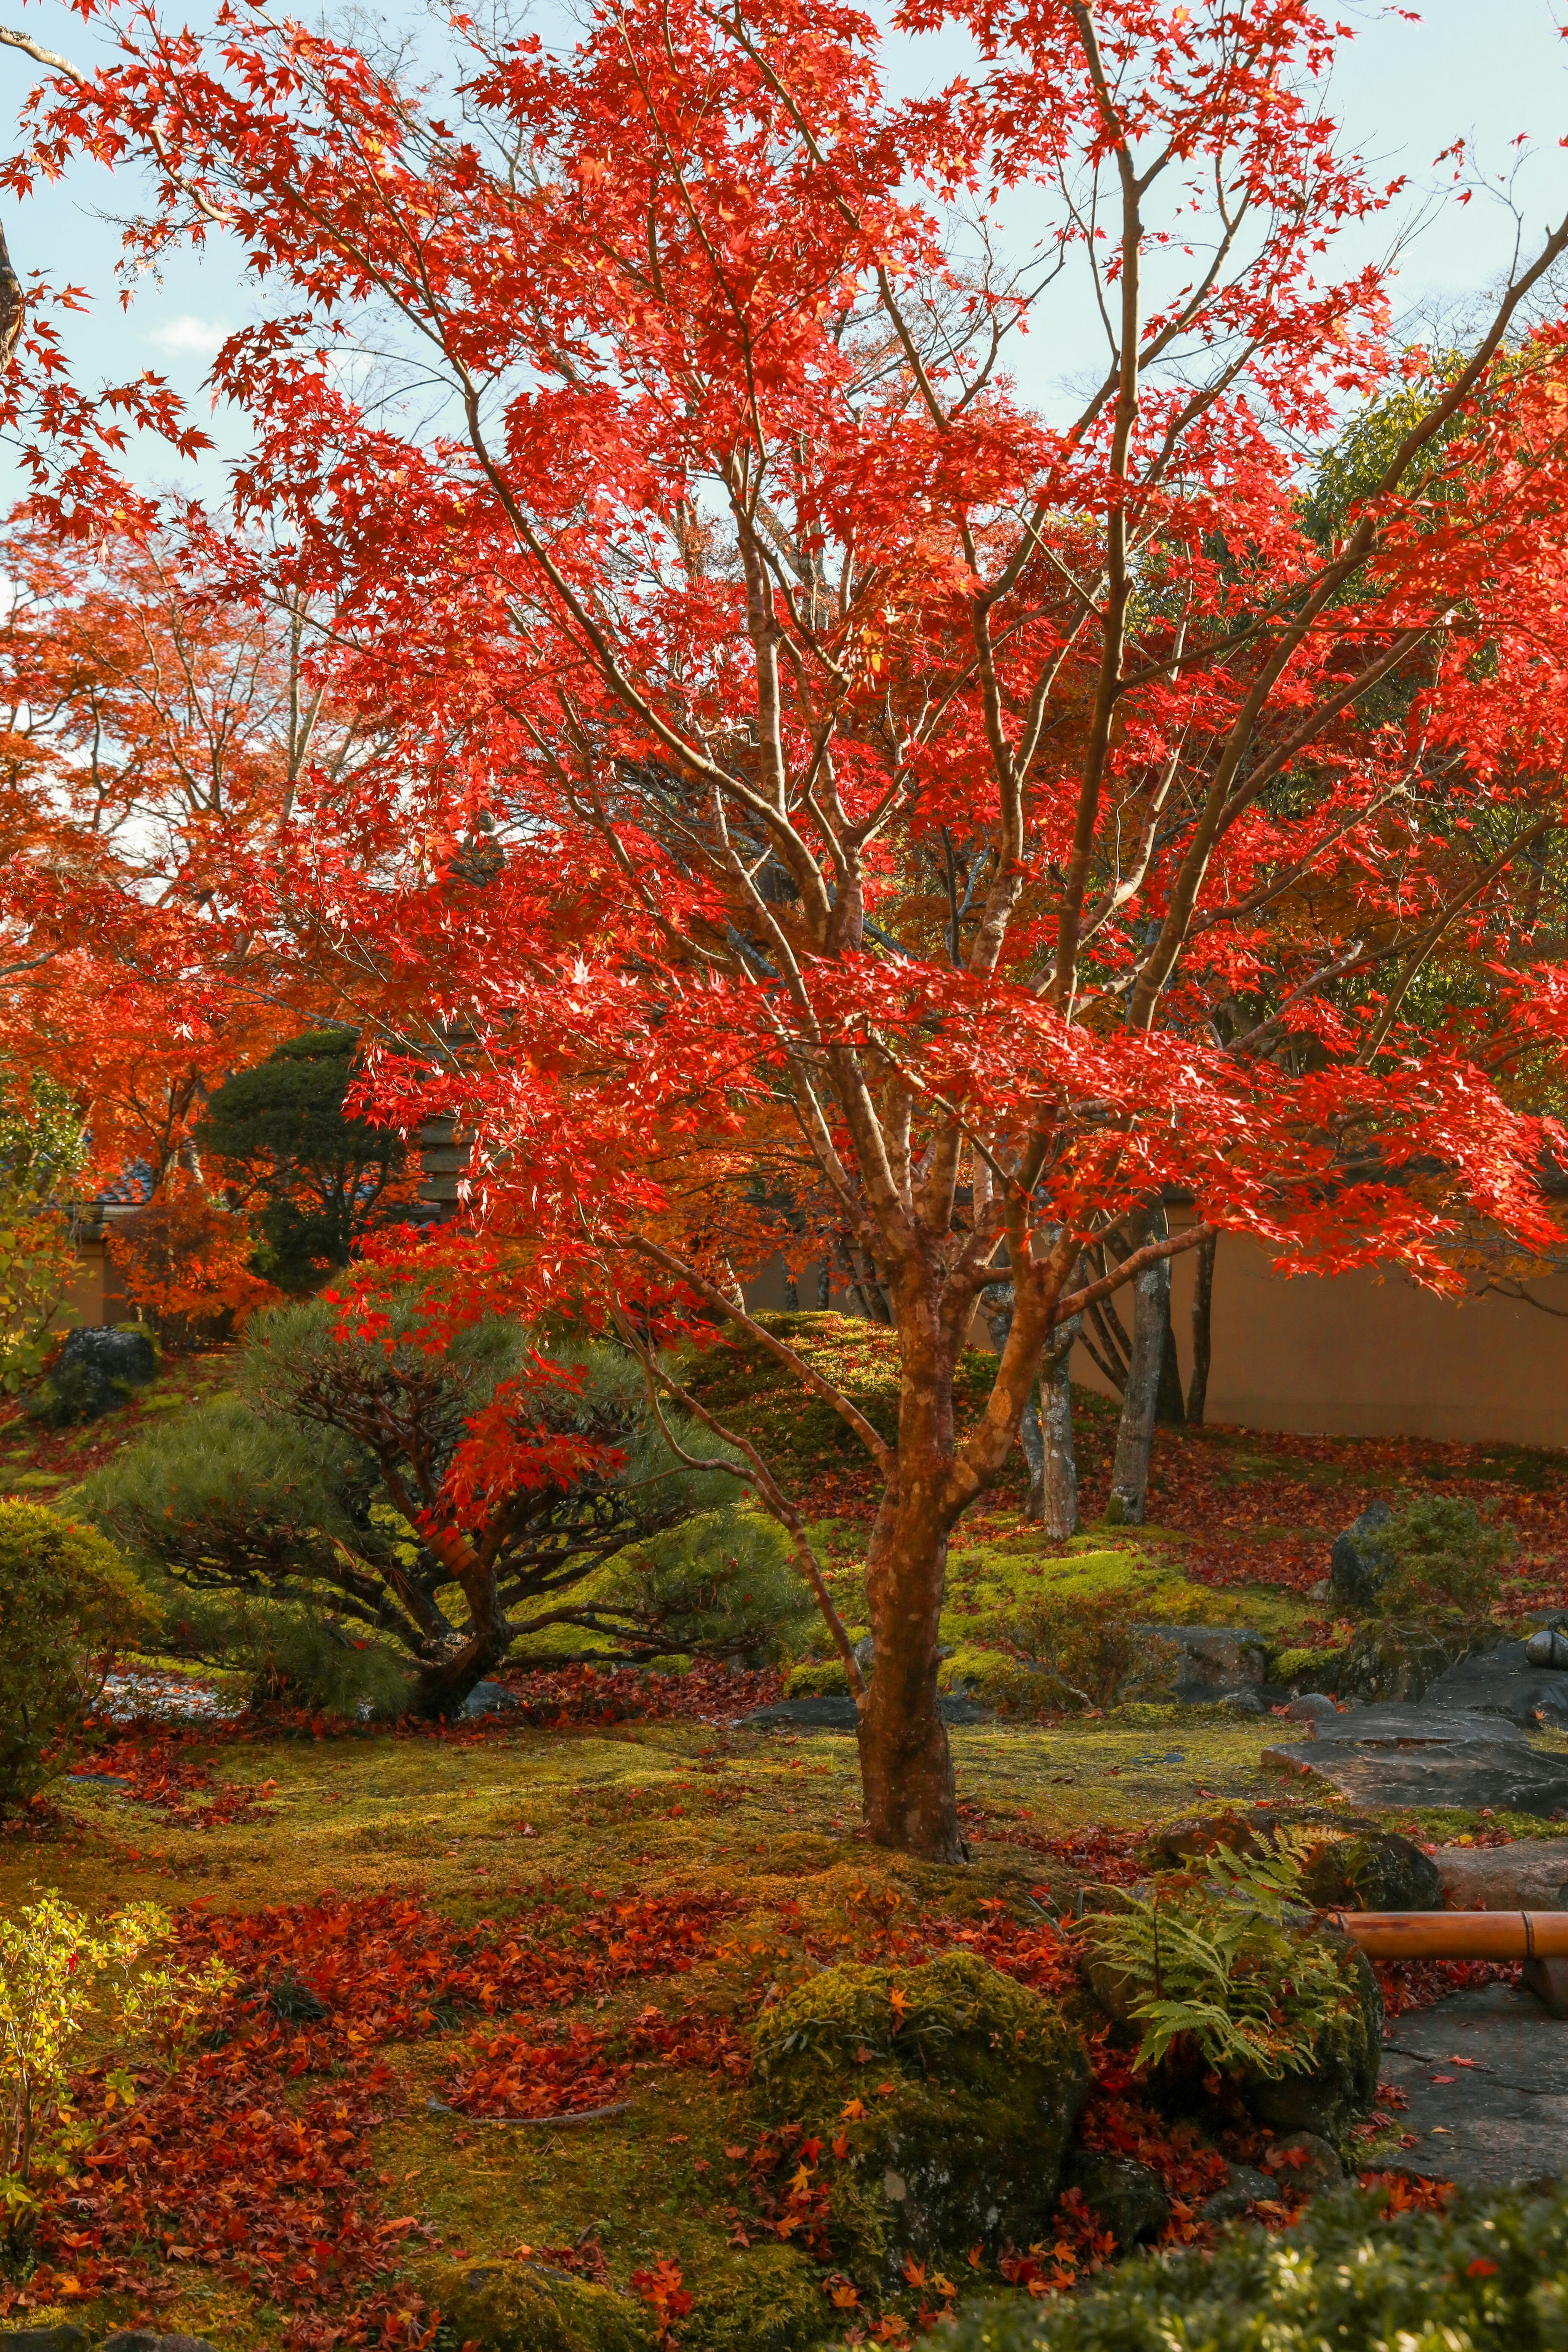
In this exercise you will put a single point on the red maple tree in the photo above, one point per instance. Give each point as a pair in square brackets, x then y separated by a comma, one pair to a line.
[845, 789]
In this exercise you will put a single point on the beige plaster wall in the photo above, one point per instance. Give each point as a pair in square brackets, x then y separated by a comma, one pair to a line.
[1365, 1355]
[1358, 1355]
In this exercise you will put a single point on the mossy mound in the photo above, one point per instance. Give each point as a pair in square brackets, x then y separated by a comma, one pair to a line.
[1307, 1670]
[1492, 2270]
[771, 2299]
[528, 2307]
[952, 2091]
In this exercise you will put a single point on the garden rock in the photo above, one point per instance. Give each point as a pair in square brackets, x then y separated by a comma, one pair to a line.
[1206, 1662]
[1501, 1681]
[1548, 1647]
[519, 2307]
[1413, 1726]
[1314, 1707]
[1502, 1773]
[1305, 2163]
[1373, 1870]
[98, 1370]
[489, 1699]
[1531, 1874]
[1387, 1661]
[1124, 2196]
[1359, 1565]
[987, 2081]
[63, 2338]
[1246, 2187]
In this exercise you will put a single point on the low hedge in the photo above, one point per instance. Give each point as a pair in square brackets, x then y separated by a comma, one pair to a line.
[1491, 2271]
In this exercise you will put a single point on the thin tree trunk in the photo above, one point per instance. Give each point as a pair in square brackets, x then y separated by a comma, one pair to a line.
[906, 1767]
[1203, 1313]
[1135, 1434]
[1058, 1504]
[1170, 1412]
[824, 1286]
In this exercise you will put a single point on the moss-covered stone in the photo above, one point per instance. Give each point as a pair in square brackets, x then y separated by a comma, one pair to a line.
[507, 2306]
[771, 2299]
[1339, 2087]
[1391, 1660]
[1307, 1670]
[962, 2088]
[1375, 1870]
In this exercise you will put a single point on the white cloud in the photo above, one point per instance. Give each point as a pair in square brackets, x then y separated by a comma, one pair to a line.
[188, 336]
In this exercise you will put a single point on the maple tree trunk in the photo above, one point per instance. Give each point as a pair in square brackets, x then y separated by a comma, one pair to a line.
[1135, 1431]
[906, 1766]
[1203, 1315]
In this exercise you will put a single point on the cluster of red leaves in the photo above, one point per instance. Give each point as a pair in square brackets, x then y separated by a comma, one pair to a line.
[382, 1963]
[665, 2293]
[1417, 1984]
[585, 1694]
[1118, 2123]
[1081, 2247]
[1109, 1855]
[580, 2071]
[1275, 1526]
[1408, 2193]
[163, 1774]
[790, 2197]
[217, 2166]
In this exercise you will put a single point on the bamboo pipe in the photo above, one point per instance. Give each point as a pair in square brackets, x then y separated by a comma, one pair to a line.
[1456, 1934]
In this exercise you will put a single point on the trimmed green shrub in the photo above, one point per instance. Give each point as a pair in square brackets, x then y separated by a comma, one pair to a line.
[1491, 2271]
[324, 1489]
[69, 1605]
[1448, 1564]
[954, 2091]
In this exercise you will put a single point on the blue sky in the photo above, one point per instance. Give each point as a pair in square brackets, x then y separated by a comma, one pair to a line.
[1490, 71]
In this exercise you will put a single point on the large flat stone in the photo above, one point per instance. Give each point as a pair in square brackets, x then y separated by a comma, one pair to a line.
[1422, 1726]
[1485, 2075]
[1505, 1775]
[1503, 1681]
[1530, 1875]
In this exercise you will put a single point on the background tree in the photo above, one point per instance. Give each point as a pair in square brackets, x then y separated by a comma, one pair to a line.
[852, 745]
[317, 1177]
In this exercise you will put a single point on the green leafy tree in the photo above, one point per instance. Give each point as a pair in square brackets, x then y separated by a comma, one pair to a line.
[285, 1144]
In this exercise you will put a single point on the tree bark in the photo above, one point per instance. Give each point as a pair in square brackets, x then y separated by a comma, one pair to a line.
[1058, 1505]
[1203, 1311]
[1170, 1412]
[1135, 1434]
[906, 1766]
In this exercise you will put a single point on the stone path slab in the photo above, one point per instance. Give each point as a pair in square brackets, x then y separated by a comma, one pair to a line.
[1503, 1681]
[1485, 2075]
[1507, 1776]
[1422, 1726]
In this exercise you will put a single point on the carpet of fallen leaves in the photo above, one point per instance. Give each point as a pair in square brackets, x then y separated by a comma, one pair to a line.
[253, 2156]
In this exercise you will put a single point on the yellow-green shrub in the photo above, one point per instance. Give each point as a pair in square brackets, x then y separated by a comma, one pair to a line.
[69, 1605]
